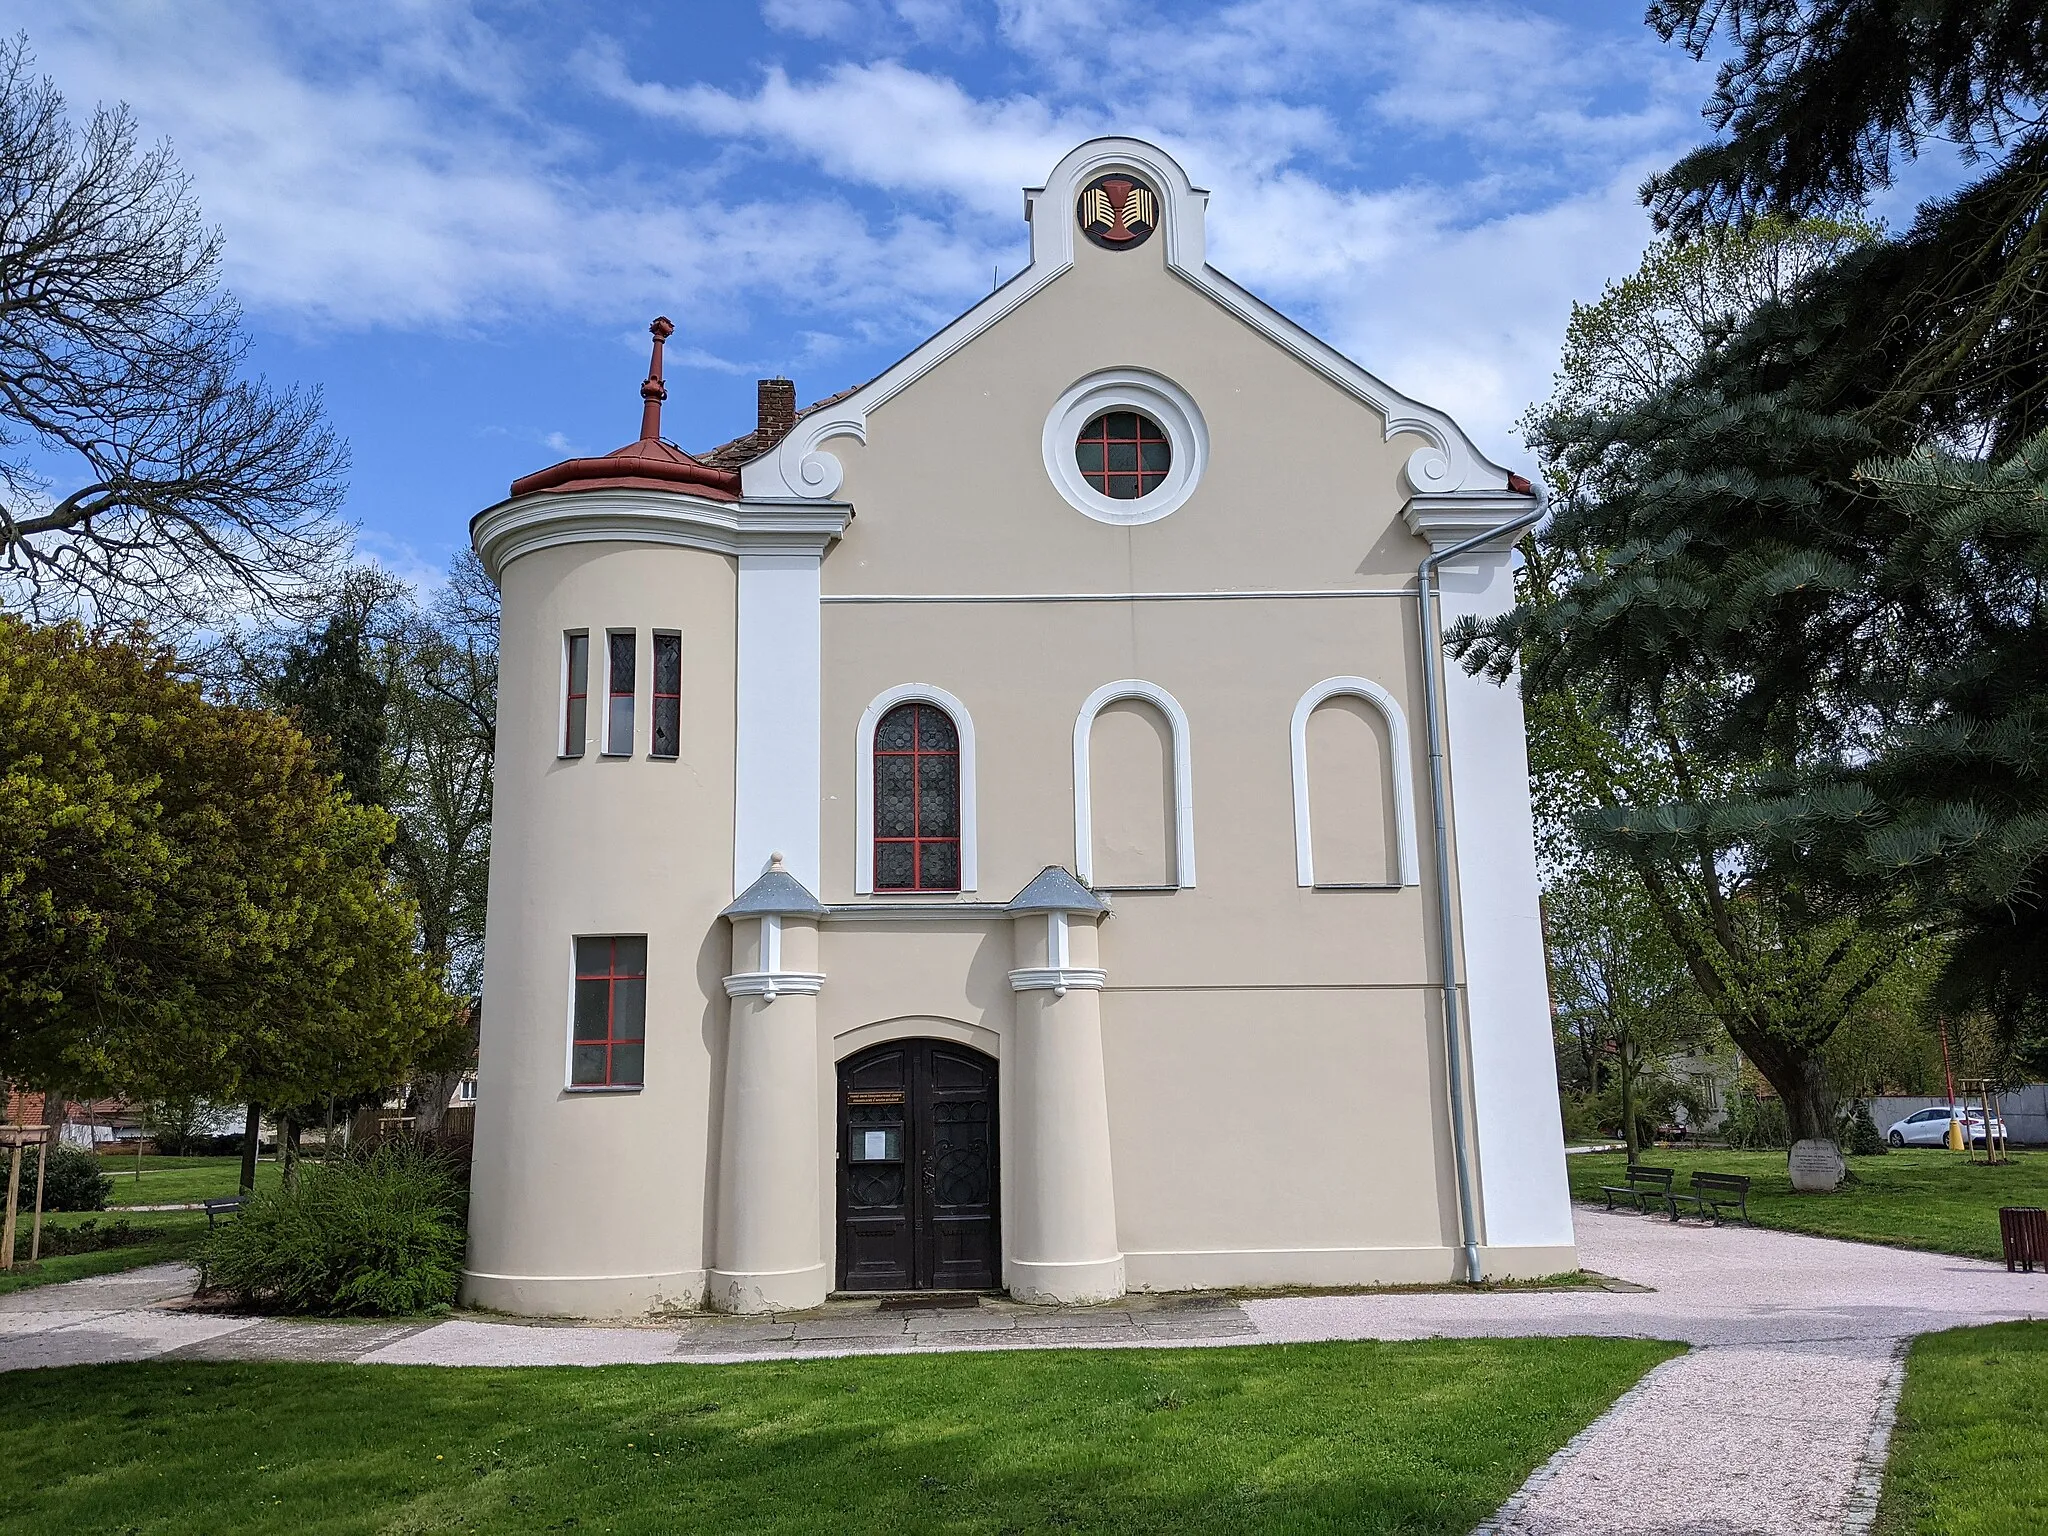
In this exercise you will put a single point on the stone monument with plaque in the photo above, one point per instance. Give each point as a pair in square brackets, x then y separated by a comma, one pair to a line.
[1816, 1167]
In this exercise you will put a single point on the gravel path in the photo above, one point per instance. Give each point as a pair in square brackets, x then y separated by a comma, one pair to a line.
[1773, 1423]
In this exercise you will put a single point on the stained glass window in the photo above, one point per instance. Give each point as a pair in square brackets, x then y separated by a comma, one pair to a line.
[618, 737]
[917, 800]
[668, 694]
[609, 1048]
[1123, 455]
[576, 705]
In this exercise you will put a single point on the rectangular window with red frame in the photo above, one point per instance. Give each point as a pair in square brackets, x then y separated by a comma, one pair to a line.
[575, 693]
[622, 658]
[668, 694]
[609, 1049]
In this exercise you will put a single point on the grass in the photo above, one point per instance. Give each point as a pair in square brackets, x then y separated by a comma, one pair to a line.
[1969, 1456]
[165, 1236]
[1915, 1198]
[180, 1180]
[1416, 1438]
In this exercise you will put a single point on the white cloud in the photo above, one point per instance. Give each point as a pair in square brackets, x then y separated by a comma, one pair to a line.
[1428, 182]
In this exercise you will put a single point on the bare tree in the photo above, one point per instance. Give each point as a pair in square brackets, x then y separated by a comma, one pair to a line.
[141, 478]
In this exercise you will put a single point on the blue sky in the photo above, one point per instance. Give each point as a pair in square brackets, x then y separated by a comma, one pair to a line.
[457, 218]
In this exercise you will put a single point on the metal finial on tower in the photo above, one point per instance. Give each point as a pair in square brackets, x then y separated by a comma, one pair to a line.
[654, 391]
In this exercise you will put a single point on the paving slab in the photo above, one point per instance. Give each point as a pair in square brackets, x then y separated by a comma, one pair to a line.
[294, 1339]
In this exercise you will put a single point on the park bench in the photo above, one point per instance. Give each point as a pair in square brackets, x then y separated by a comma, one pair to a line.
[1639, 1182]
[1712, 1193]
[215, 1209]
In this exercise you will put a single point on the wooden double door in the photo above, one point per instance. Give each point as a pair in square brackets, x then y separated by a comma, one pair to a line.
[919, 1188]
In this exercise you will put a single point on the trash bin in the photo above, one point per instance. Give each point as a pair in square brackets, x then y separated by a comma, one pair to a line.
[2024, 1231]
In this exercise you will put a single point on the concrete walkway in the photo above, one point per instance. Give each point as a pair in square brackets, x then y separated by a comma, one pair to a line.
[1773, 1423]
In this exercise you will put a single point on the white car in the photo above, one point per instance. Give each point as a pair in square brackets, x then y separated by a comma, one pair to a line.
[1929, 1127]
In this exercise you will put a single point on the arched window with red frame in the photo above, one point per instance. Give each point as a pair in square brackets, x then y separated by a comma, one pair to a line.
[917, 800]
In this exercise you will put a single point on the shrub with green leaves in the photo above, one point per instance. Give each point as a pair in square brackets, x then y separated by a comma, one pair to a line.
[74, 1180]
[379, 1233]
[1859, 1134]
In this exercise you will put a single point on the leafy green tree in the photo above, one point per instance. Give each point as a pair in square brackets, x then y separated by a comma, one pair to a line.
[1618, 985]
[187, 906]
[336, 677]
[442, 740]
[1654, 692]
[1816, 105]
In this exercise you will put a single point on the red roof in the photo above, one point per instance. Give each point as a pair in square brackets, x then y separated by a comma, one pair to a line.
[646, 464]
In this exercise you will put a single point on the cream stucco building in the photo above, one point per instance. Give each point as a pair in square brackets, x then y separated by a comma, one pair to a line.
[981, 831]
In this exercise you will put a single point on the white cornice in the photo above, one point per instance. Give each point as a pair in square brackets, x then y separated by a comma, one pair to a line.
[1448, 520]
[802, 467]
[769, 985]
[1058, 979]
[525, 523]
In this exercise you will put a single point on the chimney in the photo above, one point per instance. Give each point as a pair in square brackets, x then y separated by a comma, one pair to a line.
[775, 407]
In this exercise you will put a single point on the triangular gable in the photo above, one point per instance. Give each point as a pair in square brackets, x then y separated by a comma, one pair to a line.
[802, 468]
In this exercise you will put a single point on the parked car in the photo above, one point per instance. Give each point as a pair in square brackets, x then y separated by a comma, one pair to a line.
[1929, 1128]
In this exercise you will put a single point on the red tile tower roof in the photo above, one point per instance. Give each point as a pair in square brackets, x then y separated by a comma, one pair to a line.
[647, 464]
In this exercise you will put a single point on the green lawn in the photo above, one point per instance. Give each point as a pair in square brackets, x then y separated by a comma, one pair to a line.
[1415, 1438]
[181, 1180]
[1970, 1452]
[164, 1235]
[1916, 1198]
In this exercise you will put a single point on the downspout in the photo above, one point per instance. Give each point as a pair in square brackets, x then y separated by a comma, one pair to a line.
[1446, 919]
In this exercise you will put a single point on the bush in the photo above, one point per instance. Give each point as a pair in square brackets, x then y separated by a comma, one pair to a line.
[1755, 1122]
[1581, 1115]
[379, 1233]
[1858, 1133]
[74, 1180]
[86, 1237]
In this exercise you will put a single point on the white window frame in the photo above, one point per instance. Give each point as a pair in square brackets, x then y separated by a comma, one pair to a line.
[1407, 859]
[562, 712]
[1183, 776]
[864, 786]
[569, 1083]
[1126, 389]
[654, 639]
[611, 748]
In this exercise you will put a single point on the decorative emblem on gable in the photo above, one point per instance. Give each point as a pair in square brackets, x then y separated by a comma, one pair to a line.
[1118, 211]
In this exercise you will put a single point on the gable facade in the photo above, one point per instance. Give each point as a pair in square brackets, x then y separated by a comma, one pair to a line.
[1071, 852]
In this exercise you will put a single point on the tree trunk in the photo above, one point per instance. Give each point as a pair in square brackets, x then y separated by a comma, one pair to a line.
[430, 1094]
[1628, 1102]
[288, 1150]
[250, 1134]
[1801, 1079]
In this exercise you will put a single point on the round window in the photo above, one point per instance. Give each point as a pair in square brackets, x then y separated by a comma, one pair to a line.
[1123, 455]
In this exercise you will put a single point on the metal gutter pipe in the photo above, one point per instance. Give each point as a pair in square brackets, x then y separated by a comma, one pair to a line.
[1446, 919]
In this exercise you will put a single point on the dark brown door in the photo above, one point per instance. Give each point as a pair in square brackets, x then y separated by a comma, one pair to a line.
[918, 1185]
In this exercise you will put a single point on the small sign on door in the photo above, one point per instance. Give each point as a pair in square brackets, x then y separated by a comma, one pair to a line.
[875, 1146]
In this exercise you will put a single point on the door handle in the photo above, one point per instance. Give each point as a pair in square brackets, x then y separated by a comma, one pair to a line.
[930, 1171]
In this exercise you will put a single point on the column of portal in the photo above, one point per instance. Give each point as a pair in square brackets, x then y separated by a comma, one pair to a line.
[767, 1253]
[1060, 1225]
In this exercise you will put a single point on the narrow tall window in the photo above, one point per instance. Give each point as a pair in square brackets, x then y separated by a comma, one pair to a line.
[575, 693]
[668, 694]
[917, 800]
[618, 727]
[609, 1049]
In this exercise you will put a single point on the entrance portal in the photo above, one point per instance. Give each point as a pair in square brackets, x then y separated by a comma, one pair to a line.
[918, 1180]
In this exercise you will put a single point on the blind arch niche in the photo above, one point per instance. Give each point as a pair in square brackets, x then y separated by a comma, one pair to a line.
[1399, 773]
[1182, 776]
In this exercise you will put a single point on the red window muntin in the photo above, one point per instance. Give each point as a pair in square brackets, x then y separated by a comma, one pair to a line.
[917, 800]
[1123, 454]
[609, 1044]
[576, 703]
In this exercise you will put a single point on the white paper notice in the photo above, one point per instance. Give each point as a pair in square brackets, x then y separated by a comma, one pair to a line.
[878, 1146]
